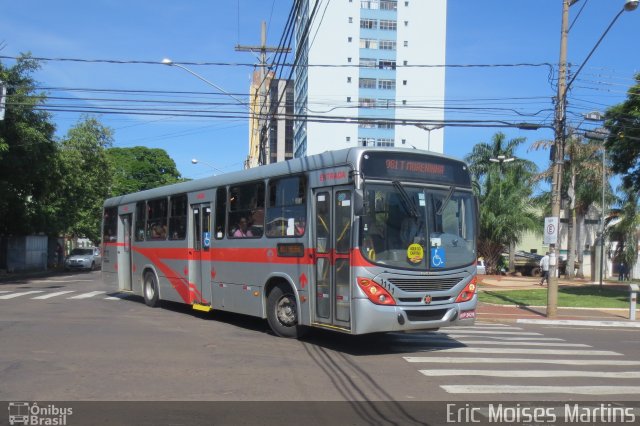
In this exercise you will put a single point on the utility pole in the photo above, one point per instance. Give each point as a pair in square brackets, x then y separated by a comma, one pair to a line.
[263, 153]
[558, 159]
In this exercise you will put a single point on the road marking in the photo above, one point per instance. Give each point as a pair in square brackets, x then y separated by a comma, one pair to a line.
[474, 360]
[582, 323]
[526, 351]
[515, 339]
[87, 295]
[534, 373]
[458, 341]
[50, 295]
[112, 298]
[14, 295]
[59, 281]
[484, 342]
[576, 390]
[517, 333]
[5, 291]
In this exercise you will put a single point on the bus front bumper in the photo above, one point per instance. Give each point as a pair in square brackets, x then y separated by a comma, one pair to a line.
[371, 318]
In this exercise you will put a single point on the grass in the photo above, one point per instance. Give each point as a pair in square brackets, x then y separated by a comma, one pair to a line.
[588, 296]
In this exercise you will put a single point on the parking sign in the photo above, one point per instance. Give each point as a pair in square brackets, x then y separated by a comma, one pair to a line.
[551, 230]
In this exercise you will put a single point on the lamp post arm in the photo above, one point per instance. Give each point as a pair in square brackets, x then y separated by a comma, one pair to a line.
[195, 74]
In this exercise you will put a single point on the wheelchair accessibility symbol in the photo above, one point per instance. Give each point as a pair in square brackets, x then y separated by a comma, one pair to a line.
[438, 257]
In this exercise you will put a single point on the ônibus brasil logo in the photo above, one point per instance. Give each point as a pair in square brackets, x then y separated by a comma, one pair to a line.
[25, 413]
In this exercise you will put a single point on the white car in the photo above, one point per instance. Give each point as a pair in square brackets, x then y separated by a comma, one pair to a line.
[83, 258]
[480, 267]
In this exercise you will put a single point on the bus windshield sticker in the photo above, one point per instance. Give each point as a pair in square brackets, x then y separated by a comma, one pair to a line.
[206, 239]
[421, 200]
[415, 253]
[290, 226]
[438, 257]
[436, 242]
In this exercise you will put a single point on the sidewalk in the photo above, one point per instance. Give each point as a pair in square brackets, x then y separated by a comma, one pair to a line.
[537, 314]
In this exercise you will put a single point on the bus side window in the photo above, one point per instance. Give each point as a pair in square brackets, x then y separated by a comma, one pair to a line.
[246, 201]
[157, 219]
[141, 208]
[178, 218]
[221, 211]
[110, 221]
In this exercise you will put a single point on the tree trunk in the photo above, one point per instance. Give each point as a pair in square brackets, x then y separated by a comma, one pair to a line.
[512, 258]
[571, 243]
[579, 246]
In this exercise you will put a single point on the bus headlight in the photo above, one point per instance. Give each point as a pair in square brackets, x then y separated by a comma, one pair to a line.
[469, 290]
[375, 292]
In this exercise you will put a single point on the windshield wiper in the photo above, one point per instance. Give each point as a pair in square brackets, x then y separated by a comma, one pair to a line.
[408, 203]
[446, 200]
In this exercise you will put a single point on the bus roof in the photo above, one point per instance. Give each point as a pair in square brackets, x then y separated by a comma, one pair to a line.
[344, 157]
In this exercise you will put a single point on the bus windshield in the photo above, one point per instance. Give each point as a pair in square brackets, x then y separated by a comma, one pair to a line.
[418, 228]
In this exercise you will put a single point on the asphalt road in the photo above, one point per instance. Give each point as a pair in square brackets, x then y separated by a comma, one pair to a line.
[68, 338]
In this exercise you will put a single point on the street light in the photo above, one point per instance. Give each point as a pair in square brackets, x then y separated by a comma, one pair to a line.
[169, 62]
[429, 129]
[559, 138]
[196, 161]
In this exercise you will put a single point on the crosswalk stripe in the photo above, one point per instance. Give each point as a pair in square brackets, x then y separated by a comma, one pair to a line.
[474, 360]
[5, 291]
[514, 339]
[87, 295]
[50, 295]
[471, 331]
[527, 351]
[14, 295]
[484, 342]
[458, 341]
[534, 373]
[112, 298]
[575, 390]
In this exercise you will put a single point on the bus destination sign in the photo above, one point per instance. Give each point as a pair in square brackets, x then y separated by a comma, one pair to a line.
[400, 166]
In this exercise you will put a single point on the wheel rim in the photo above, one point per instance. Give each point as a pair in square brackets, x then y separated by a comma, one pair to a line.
[286, 311]
[149, 290]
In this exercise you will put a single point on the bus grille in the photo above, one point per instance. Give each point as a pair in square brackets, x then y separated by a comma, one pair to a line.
[430, 315]
[424, 284]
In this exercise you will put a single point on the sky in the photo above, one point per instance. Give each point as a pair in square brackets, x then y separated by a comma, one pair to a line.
[489, 32]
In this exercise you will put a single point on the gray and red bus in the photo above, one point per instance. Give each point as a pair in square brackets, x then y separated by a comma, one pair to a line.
[359, 240]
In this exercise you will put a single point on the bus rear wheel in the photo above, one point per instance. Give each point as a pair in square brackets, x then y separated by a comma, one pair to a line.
[150, 290]
[282, 312]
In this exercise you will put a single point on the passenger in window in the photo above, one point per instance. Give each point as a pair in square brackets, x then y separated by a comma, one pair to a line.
[242, 231]
[300, 225]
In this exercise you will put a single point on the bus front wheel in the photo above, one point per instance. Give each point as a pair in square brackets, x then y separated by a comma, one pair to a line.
[150, 290]
[282, 312]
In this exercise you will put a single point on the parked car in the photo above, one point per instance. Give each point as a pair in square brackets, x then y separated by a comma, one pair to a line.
[481, 269]
[83, 258]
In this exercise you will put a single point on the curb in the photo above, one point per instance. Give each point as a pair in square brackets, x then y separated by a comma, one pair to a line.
[624, 324]
[559, 307]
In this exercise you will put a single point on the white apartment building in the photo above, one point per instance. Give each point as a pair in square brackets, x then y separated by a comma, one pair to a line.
[364, 67]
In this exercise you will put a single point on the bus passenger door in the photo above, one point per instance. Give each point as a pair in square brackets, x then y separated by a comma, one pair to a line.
[124, 253]
[332, 261]
[200, 259]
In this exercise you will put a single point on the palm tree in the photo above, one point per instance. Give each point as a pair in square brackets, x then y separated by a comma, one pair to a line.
[626, 230]
[504, 190]
[582, 186]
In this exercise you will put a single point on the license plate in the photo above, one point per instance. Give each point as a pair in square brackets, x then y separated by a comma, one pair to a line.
[467, 314]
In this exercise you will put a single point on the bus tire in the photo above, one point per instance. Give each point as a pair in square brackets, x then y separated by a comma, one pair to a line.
[150, 290]
[282, 312]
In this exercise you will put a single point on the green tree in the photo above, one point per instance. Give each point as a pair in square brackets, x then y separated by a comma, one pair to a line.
[625, 232]
[623, 144]
[28, 155]
[139, 168]
[504, 190]
[87, 178]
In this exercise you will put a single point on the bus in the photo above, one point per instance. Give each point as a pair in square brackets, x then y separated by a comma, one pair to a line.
[359, 240]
